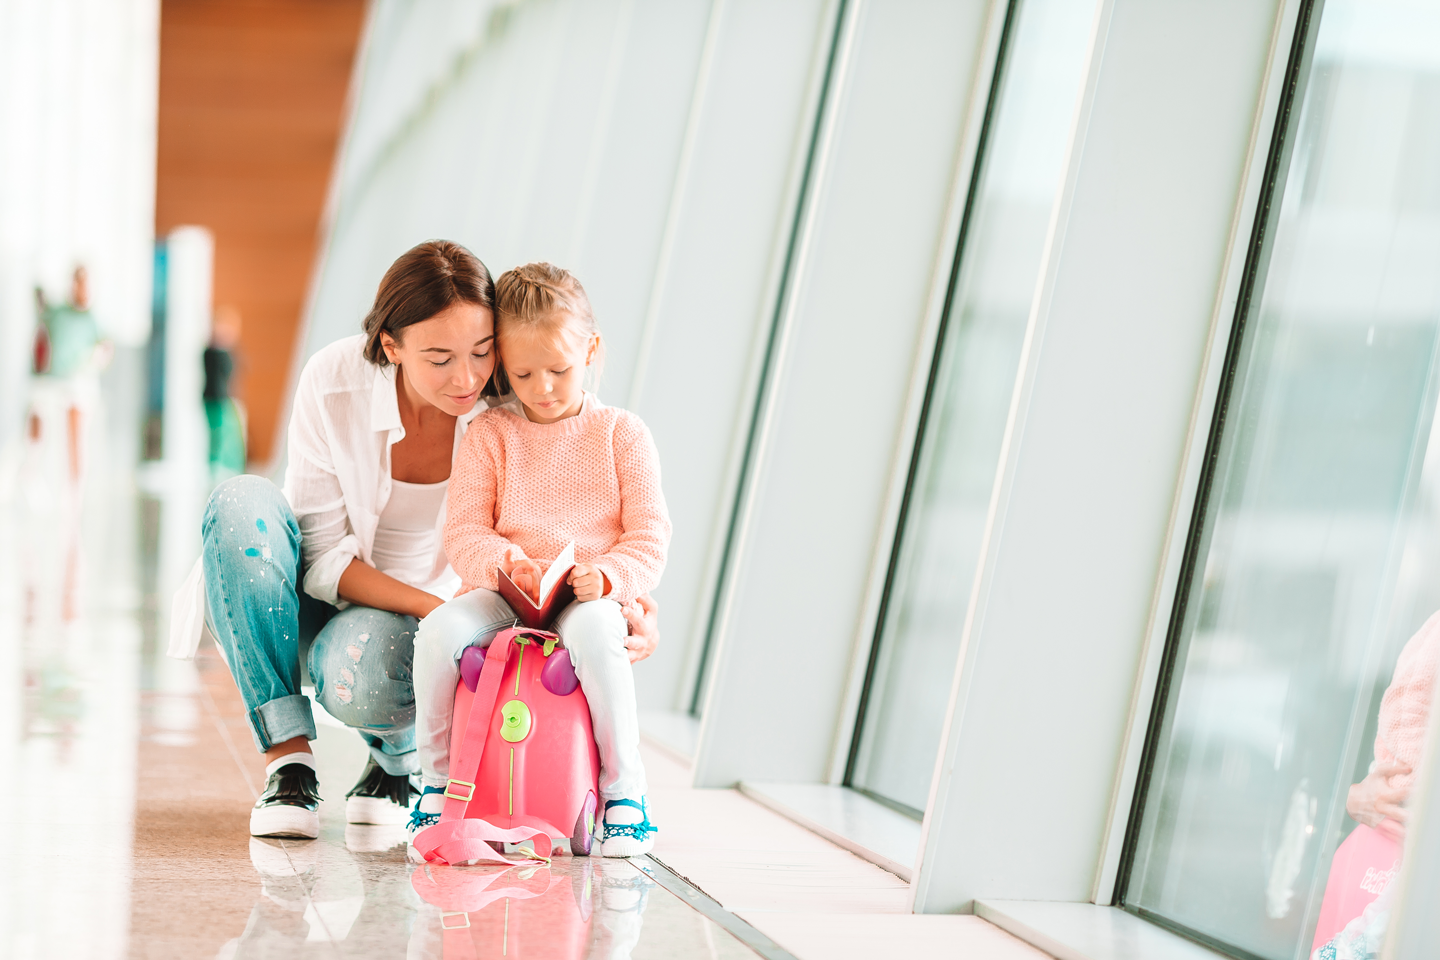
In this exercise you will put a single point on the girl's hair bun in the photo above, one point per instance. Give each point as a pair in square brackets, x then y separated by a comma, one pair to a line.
[540, 298]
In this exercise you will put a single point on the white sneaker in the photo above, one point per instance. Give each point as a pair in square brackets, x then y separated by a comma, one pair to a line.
[627, 831]
[379, 797]
[289, 805]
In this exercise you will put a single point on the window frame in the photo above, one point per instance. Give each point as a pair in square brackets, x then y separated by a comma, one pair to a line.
[918, 451]
[1257, 249]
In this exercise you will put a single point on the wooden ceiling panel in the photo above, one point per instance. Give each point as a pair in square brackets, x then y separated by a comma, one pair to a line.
[252, 97]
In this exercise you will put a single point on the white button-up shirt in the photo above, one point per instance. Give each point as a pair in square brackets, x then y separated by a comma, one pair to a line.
[345, 419]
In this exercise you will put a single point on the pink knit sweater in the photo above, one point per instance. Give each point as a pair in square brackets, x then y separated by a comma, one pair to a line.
[593, 478]
[1405, 709]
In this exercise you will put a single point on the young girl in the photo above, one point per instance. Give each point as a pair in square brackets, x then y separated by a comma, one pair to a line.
[551, 466]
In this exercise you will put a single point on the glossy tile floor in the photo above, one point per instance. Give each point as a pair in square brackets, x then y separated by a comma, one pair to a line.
[135, 774]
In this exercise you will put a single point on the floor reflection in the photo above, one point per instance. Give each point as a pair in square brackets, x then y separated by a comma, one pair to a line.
[138, 846]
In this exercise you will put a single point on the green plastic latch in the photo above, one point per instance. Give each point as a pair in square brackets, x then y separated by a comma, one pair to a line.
[514, 721]
[550, 645]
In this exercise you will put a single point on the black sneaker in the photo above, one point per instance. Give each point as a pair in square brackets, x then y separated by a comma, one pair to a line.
[379, 797]
[289, 805]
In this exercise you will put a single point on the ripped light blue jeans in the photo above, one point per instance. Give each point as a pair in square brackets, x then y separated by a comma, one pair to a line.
[358, 658]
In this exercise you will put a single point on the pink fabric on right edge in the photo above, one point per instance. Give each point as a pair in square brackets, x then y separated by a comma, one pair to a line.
[1367, 862]
[1405, 709]
[1364, 865]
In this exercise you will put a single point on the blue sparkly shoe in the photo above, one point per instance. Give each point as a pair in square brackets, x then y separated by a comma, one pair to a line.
[626, 832]
[419, 820]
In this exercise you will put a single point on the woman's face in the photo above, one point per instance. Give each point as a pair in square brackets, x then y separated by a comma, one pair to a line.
[444, 361]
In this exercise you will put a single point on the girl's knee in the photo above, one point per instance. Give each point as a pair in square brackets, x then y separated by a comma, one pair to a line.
[463, 622]
[594, 626]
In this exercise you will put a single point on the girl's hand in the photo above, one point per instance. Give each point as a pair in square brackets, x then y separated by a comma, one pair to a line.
[589, 582]
[1378, 805]
[525, 574]
[644, 618]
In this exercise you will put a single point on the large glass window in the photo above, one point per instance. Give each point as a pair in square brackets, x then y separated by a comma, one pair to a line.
[1317, 554]
[929, 590]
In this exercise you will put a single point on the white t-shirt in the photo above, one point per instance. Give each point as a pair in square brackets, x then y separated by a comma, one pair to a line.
[408, 537]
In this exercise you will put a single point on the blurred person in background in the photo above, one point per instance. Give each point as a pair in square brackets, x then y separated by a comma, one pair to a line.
[68, 357]
[223, 412]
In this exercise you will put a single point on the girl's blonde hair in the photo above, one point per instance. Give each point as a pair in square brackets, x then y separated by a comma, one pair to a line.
[541, 299]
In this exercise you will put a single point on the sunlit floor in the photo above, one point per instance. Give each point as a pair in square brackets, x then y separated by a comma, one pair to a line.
[133, 775]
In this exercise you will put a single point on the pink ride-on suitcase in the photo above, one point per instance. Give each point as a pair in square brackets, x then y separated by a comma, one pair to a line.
[523, 761]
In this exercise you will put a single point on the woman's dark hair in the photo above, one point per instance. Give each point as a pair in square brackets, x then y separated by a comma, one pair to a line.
[425, 280]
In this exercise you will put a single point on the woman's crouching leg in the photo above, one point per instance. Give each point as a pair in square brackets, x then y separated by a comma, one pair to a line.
[360, 664]
[471, 619]
[251, 556]
[594, 633]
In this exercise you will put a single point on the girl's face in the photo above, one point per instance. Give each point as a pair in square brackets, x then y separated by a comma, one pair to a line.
[444, 361]
[547, 371]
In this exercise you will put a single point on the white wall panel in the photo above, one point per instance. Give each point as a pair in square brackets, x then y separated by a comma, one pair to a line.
[1100, 428]
[513, 152]
[712, 306]
[833, 427]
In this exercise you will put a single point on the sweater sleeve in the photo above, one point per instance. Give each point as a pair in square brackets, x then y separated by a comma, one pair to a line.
[636, 561]
[471, 543]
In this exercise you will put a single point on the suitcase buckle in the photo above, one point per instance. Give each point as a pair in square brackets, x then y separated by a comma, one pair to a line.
[451, 784]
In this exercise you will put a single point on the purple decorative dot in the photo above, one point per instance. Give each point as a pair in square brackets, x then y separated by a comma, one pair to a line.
[470, 663]
[558, 674]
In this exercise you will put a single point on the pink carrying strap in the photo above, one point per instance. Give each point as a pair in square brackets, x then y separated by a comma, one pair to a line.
[457, 838]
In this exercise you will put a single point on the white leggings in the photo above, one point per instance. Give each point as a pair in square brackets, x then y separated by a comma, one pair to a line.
[593, 632]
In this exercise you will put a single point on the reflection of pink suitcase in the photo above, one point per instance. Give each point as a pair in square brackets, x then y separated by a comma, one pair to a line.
[513, 912]
[1364, 865]
[523, 761]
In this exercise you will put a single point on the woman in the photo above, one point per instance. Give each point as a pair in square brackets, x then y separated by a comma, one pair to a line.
[349, 558]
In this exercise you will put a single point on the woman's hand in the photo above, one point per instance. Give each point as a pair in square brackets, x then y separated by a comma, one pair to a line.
[589, 582]
[1378, 805]
[363, 584]
[644, 618]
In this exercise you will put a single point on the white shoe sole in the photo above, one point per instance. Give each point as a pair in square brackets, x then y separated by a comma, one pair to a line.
[626, 847]
[284, 820]
[375, 810]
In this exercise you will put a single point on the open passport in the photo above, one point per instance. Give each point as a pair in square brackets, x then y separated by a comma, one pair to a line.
[555, 593]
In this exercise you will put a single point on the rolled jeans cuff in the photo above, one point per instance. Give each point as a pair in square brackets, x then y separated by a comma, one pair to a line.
[282, 719]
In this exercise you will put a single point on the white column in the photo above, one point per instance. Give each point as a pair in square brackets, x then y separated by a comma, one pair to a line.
[1148, 238]
[190, 257]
